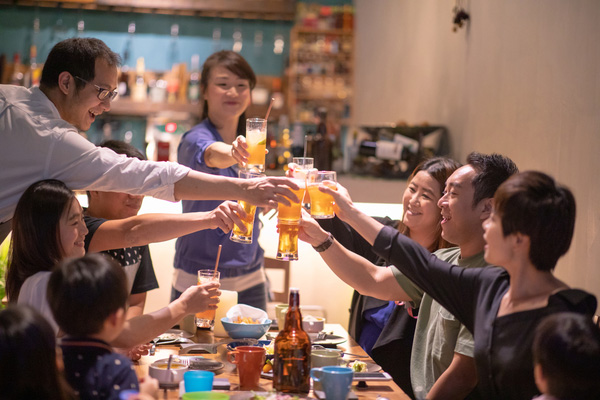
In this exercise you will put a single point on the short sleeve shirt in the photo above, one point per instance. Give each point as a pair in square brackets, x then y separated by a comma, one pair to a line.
[135, 260]
[438, 334]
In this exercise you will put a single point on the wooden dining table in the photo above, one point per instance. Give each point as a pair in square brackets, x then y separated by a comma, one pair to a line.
[363, 389]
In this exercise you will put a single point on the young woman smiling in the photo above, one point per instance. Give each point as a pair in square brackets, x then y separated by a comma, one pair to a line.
[382, 328]
[217, 146]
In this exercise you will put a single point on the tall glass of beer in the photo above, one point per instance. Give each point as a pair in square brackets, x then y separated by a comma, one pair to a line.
[321, 204]
[206, 319]
[236, 233]
[256, 138]
[293, 212]
[287, 249]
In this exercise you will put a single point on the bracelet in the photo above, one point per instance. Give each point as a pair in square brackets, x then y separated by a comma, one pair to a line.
[325, 245]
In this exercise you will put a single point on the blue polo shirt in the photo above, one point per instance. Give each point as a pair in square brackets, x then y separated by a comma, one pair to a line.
[199, 250]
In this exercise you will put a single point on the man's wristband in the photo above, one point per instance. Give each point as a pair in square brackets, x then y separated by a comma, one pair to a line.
[325, 245]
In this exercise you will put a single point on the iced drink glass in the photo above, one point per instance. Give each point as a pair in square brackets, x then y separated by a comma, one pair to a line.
[256, 138]
[206, 319]
[321, 204]
[236, 233]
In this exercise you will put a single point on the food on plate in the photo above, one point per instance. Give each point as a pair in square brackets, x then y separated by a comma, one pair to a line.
[269, 348]
[245, 320]
[167, 336]
[358, 366]
[268, 367]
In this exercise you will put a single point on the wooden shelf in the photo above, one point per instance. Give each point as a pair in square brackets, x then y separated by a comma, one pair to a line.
[338, 32]
[243, 9]
[301, 53]
[129, 108]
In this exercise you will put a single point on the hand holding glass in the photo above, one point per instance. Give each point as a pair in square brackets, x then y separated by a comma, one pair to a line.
[236, 233]
[321, 204]
[256, 138]
[206, 319]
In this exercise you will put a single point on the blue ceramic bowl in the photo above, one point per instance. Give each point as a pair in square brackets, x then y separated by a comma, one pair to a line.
[242, 331]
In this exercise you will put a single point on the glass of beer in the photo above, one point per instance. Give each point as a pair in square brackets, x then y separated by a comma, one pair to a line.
[321, 204]
[206, 319]
[256, 138]
[293, 212]
[287, 249]
[236, 233]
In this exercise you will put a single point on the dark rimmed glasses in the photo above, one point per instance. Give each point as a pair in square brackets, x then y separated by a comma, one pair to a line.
[103, 93]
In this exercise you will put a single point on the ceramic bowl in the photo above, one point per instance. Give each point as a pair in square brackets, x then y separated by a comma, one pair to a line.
[173, 376]
[313, 324]
[242, 331]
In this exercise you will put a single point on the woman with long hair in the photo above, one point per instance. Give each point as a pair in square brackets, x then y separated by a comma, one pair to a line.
[385, 330]
[217, 146]
[48, 227]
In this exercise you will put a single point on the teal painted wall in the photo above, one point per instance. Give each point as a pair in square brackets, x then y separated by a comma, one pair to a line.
[152, 39]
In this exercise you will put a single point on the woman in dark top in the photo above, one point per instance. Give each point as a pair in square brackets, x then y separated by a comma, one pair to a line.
[385, 330]
[530, 228]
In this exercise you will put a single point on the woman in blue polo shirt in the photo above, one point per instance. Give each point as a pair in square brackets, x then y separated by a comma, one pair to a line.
[216, 146]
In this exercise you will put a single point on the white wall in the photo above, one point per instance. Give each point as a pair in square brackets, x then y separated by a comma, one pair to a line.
[523, 79]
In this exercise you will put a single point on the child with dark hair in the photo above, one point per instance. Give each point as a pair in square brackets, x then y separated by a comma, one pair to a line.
[88, 298]
[29, 365]
[566, 356]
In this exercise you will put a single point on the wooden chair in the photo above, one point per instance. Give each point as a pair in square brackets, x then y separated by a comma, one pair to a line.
[275, 268]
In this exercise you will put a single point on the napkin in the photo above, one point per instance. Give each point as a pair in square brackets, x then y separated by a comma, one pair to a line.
[244, 310]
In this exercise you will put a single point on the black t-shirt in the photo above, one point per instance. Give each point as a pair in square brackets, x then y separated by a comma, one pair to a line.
[135, 260]
[502, 345]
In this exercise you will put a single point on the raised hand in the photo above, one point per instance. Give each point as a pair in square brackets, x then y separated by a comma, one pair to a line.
[239, 150]
[343, 207]
[226, 215]
[310, 231]
[270, 191]
[200, 298]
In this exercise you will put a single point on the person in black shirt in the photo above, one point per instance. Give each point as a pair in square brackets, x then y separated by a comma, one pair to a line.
[530, 227]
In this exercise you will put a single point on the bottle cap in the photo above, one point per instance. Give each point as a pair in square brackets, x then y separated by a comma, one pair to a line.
[294, 289]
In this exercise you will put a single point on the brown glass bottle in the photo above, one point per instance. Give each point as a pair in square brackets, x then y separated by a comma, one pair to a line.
[291, 366]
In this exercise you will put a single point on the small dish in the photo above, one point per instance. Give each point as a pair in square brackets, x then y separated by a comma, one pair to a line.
[168, 377]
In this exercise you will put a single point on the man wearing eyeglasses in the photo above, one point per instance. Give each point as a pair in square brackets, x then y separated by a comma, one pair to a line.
[39, 139]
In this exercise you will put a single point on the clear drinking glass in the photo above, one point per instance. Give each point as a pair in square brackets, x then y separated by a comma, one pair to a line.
[236, 233]
[256, 138]
[287, 248]
[206, 319]
[321, 204]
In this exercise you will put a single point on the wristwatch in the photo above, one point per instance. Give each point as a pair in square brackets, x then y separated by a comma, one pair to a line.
[325, 245]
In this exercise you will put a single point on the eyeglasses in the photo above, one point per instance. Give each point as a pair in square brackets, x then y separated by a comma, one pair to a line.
[102, 93]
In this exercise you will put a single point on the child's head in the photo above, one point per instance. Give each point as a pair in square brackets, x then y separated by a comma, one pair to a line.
[43, 232]
[566, 354]
[28, 362]
[86, 292]
[116, 205]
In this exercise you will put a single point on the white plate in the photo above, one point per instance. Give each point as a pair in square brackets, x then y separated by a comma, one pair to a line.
[330, 340]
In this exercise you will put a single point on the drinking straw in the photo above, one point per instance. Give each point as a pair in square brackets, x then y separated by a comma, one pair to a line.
[217, 262]
[268, 112]
[305, 144]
